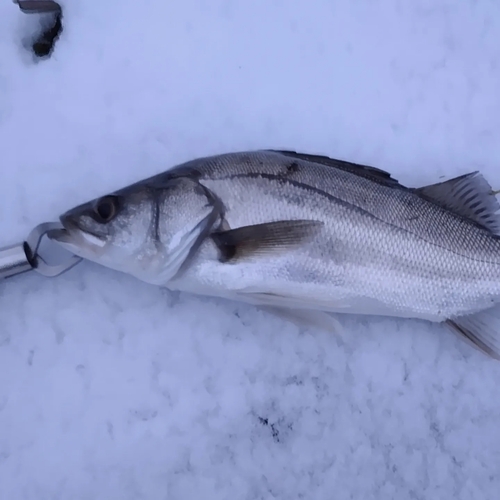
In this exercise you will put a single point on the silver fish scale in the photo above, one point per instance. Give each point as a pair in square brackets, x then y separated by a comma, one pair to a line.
[394, 205]
[382, 247]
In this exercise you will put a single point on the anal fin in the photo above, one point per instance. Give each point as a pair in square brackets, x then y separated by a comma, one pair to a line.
[481, 329]
[307, 318]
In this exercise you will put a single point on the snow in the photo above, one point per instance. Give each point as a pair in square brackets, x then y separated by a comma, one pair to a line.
[114, 389]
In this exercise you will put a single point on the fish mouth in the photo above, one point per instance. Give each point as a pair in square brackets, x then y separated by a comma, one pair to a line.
[75, 238]
[60, 235]
[64, 233]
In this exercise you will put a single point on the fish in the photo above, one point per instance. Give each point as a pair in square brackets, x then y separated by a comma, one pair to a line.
[305, 236]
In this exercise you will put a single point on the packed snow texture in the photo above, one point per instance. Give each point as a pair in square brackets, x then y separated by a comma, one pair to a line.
[114, 389]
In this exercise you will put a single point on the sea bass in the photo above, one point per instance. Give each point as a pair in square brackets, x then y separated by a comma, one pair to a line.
[305, 235]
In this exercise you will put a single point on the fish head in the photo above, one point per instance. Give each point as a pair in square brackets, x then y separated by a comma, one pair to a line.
[146, 230]
[110, 230]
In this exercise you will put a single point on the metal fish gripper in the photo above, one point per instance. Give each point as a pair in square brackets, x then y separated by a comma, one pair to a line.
[25, 256]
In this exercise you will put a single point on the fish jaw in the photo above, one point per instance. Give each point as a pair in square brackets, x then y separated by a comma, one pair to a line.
[92, 247]
[78, 241]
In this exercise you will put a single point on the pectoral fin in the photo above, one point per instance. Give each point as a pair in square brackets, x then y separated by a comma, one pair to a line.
[482, 330]
[264, 238]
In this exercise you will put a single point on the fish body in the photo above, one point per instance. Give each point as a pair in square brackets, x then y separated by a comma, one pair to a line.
[303, 232]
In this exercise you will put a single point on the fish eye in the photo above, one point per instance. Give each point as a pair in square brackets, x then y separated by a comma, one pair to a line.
[105, 209]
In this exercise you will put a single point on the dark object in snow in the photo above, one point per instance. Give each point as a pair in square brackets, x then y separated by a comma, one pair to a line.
[44, 43]
[279, 429]
[38, 6]
[274, 430]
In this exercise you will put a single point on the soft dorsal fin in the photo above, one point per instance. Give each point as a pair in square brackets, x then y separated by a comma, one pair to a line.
[372, 173]
[468, 195]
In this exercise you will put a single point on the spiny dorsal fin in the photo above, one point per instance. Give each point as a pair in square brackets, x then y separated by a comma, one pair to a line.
[468, 195]
[263, 238]
[372, 173]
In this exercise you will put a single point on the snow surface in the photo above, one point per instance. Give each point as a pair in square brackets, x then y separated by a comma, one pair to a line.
[114, 389]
